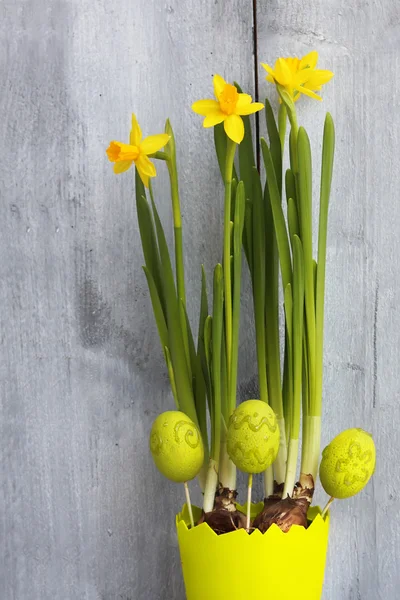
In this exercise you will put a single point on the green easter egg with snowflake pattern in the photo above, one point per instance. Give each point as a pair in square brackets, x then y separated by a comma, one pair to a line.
[253, 436]
[348, 463]
[176, 446]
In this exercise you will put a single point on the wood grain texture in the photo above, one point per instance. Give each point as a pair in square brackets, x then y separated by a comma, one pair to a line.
[360, 42]
[83, 513]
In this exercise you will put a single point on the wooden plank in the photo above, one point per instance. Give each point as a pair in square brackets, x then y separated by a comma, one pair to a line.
[84, 513]
[360, 43]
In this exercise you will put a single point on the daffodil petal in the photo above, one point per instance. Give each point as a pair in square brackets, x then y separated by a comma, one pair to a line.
[219, 84]
[145, 168]
[205, 107]
[318, 78]
[293, 64]
[144, 165]
[136, 133]
[249, 109]
[122, 165]
[243, 100]
[309, 93]
[213, 119]
[153, 143]
[302, 76]
[145, 178]
[234, 128]
[283, 74]
[269, 70]
[309, 60]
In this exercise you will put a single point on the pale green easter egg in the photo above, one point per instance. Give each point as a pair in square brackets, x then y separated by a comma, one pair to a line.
[176, 446]
[347, 463]
[253, 436]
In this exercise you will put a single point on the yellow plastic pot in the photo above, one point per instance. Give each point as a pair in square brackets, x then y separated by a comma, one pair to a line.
[239, 566]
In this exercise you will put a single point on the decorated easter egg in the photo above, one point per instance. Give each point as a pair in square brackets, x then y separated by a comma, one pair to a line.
[253, 436]
[176, 446]
[347, 463]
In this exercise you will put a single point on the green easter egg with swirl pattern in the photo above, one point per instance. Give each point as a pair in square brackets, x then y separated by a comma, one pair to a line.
[253, 436]
[348, 463]
[176, 446]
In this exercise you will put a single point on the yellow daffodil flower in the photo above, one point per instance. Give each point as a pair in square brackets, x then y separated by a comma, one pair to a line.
[137, 151]
[299, 76]
[228, 108]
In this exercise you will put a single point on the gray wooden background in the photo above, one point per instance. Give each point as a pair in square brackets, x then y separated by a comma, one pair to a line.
[83, 513]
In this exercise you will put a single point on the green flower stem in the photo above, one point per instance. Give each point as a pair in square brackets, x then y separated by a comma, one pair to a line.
[282, 121]
[230, 156]
[170, 152]
[159, 155]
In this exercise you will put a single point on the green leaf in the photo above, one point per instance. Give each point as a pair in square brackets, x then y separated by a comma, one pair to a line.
[279, 219]
[297, 332]
[290, 185]
[208, 365]
[293, 220]
[248, 234]
[288, 374]
[148, 238]
[202, 386]
[203, 310]
[258, 280]
[328, 150]
[272, 310]
[305, 204]
[191, 350]
[157, 308]
[171, 374]
[282, 122]
[288, 306]
[175, 334]
[315, 271]
[286, 391]
[237, 271]
[275, 143]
